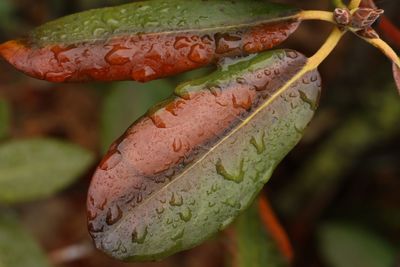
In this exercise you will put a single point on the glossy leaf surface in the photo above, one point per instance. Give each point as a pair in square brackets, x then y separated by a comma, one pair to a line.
[255, 246]
[193, 163]
[148, 40]
[37, 168]
[17, 247]
[348, 245]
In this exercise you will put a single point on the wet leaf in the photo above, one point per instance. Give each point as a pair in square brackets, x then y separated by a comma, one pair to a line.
[350, 245]
[255, 246]
[4, 118]
[17, 247]
[148, 40]
[396, 74]
[37, 168]
[126, 102]
[186, 169]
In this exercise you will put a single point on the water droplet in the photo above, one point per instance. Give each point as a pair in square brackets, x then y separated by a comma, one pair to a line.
[114, 214]
[312, 103]
[176, 200]
[139, 235]
[118, 56]
[186, 215]
[177, 145]
[237, 178]
[241, 80]
[259, 145]
[111, 160]
[292, 54]
[160, 210]
[181, 42]
[233, 203]
[198, 54]
[158, 122]
[215, 90]
[178, 235]
[93, 229]
[226, 43]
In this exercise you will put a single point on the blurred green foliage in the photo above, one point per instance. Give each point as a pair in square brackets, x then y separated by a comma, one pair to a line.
[255, 245]
[17, 247]
[4, 118]
[36, 168]
[349, 245]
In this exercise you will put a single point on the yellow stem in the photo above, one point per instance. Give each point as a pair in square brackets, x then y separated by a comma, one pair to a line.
[385, 48]
[354, 4]
[316, 15]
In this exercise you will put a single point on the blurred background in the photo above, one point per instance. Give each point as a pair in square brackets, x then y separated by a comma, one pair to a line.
[337, 194]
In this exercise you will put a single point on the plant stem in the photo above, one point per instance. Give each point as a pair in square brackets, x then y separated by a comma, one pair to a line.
[317, 15]
[354, 4]
[325, 49]
[385, 48]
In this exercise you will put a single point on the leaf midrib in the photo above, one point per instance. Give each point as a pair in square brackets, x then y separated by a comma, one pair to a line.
[307, 67]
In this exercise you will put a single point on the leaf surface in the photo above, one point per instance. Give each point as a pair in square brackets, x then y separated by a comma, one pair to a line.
[148, 40]
[186, 169]
[37, 168]
[17, 247]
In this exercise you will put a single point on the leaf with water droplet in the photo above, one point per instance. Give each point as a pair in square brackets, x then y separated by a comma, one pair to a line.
[38, 168]
[229, 144]
[17, 247]
[140, 41]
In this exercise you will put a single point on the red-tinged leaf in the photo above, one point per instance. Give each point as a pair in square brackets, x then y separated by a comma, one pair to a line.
[148, 40]
[193, 163]
[396, 74]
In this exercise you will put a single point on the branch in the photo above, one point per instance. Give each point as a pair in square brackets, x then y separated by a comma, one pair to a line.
[317, 15]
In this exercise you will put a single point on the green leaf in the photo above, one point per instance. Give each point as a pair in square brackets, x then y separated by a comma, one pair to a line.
[17, 247]
[147, 40]
[37, 168]
[4, 118]
[126, 102]
[193, 163]
[349, 245]
[255, 246]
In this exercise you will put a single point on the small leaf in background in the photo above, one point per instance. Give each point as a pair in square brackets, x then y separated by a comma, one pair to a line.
[351, 245]
[171, 181]
[125, 103]
[144, 41]
[396, 74]
[37, 168]
[17, 246]
[4, 118]
[255, 246]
